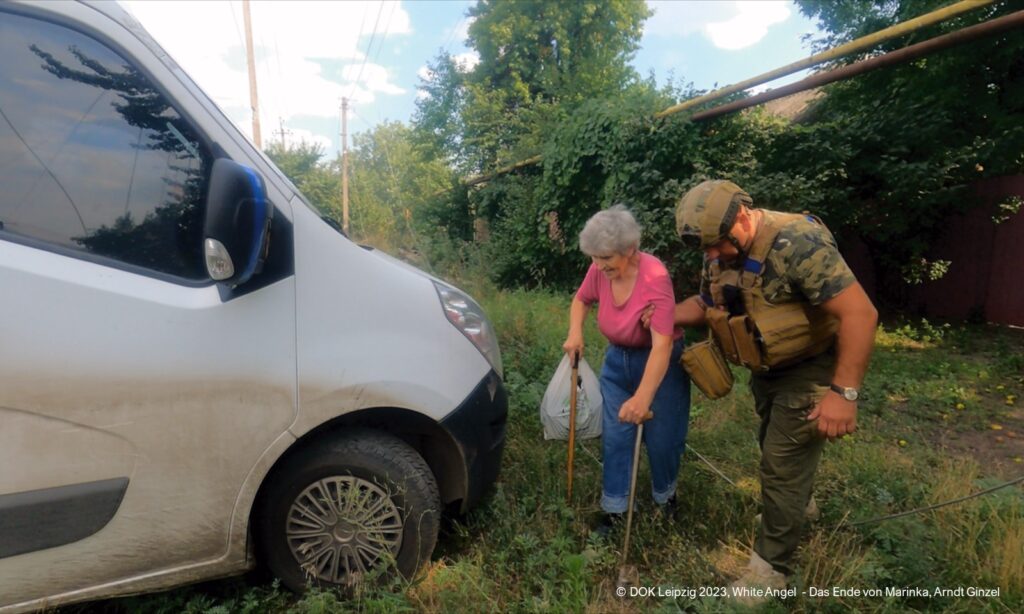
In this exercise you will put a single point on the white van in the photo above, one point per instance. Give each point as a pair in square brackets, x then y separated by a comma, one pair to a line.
[196, 370]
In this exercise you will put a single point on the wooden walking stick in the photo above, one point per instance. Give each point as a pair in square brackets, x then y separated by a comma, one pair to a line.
[572, 419]
[628, 574]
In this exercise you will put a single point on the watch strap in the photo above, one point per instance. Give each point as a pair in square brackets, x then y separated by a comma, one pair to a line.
[841, 391]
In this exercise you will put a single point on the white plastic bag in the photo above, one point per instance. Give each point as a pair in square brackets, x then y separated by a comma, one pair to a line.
[554, 408]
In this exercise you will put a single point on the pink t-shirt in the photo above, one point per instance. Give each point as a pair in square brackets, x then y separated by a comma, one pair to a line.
[621, 323]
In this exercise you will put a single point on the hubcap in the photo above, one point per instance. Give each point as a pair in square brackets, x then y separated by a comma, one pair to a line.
[341, 527]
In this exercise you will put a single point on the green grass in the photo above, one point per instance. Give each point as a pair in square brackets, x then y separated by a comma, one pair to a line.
[526, 550]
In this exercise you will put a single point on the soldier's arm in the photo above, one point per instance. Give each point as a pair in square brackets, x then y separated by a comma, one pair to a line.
[687, 313]
[690, 312]
[856, 337]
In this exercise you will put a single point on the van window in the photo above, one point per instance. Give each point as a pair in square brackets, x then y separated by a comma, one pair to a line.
[92, 157]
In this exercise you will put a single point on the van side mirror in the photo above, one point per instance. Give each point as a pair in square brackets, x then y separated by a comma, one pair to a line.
[236, 231]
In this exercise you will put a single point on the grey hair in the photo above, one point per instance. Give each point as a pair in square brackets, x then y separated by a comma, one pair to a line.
[612, 231]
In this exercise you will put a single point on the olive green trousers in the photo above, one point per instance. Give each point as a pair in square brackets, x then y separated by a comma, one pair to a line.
[790, 451]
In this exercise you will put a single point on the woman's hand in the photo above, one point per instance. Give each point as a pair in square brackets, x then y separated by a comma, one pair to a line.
[573, 345]
[635, 410]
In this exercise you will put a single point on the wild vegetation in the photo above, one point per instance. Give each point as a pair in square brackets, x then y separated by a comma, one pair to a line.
[934, 397]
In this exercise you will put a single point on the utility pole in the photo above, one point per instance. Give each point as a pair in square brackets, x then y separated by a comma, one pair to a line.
[251, 58]
[282, 132]
[344, 165]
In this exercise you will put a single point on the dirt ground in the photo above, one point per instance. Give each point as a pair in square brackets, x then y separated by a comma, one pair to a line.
[999, 452]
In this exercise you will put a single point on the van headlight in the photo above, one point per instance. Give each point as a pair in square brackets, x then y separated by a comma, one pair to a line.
[469, 318]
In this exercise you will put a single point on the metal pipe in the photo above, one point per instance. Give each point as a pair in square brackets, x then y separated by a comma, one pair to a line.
[505, 169]
[988, 28]
[860, 44]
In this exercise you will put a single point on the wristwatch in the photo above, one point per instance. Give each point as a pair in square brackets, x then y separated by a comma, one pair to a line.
[850, 394]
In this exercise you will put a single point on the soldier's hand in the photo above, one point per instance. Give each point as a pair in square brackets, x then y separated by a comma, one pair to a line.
[835, 415]
[645, 317]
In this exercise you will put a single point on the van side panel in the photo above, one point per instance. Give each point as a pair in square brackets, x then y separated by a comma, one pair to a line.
[371, 333]
[106, 374]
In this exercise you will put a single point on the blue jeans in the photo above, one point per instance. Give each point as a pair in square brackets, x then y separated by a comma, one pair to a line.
[664, 435]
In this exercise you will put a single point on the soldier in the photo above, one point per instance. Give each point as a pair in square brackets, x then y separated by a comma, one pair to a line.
[780, 300]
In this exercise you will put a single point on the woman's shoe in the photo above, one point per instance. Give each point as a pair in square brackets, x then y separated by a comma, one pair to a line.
[608, 523]
[667, 509]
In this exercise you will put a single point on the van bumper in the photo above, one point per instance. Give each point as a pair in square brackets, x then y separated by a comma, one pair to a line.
[478, 427]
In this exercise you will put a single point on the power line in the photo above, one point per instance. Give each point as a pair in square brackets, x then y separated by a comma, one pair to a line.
[267, 75]
[47, 169]
[360, 118]
[932, 507]
[238, 30]
[451, 35]
[387, 30]
[362, 30]
[280, 74]
[366, 56]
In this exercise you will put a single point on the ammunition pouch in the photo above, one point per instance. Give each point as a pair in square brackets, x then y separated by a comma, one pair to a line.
[718, 322]
[744, 335]
[706, 366]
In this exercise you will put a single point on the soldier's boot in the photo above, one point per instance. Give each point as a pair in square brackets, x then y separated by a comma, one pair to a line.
[751, 587]
[811, 512]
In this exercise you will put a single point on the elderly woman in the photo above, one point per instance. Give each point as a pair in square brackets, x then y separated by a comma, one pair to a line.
[641, 374]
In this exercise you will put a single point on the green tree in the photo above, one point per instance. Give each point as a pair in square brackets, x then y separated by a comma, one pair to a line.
[319, 182]
[438, 120]
[392, 179]
[891, 154]
[555, 51]
[538, 61]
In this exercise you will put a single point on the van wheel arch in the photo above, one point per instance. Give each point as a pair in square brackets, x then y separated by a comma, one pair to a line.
[424, 435]
[346, 508]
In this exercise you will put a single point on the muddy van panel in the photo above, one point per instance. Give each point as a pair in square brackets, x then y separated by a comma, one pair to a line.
[173, 394]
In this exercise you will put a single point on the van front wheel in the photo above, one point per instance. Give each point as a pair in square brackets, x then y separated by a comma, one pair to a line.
[356, 506]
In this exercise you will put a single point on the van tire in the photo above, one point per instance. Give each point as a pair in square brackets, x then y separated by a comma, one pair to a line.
[365, 473]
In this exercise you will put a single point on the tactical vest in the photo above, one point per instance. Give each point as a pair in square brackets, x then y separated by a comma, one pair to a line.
[766, 335]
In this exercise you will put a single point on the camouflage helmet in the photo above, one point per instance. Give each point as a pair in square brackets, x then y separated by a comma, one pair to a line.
[706, 214]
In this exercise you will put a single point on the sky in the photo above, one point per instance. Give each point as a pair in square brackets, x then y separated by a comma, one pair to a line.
[309, 55]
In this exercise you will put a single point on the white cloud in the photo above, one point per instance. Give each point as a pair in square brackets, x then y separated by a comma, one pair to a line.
[467, 61]
[308, 54]
[674, 18]
[729, 25]
[297, 135]
[462, 31]
[749, 26]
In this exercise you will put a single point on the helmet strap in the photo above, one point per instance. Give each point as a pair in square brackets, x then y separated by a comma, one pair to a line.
[735, 243]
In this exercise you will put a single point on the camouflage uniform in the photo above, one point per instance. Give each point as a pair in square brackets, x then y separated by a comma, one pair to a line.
[803, 265]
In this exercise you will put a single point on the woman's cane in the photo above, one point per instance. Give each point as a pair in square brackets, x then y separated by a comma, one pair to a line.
[572, 418]
[628, 574]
